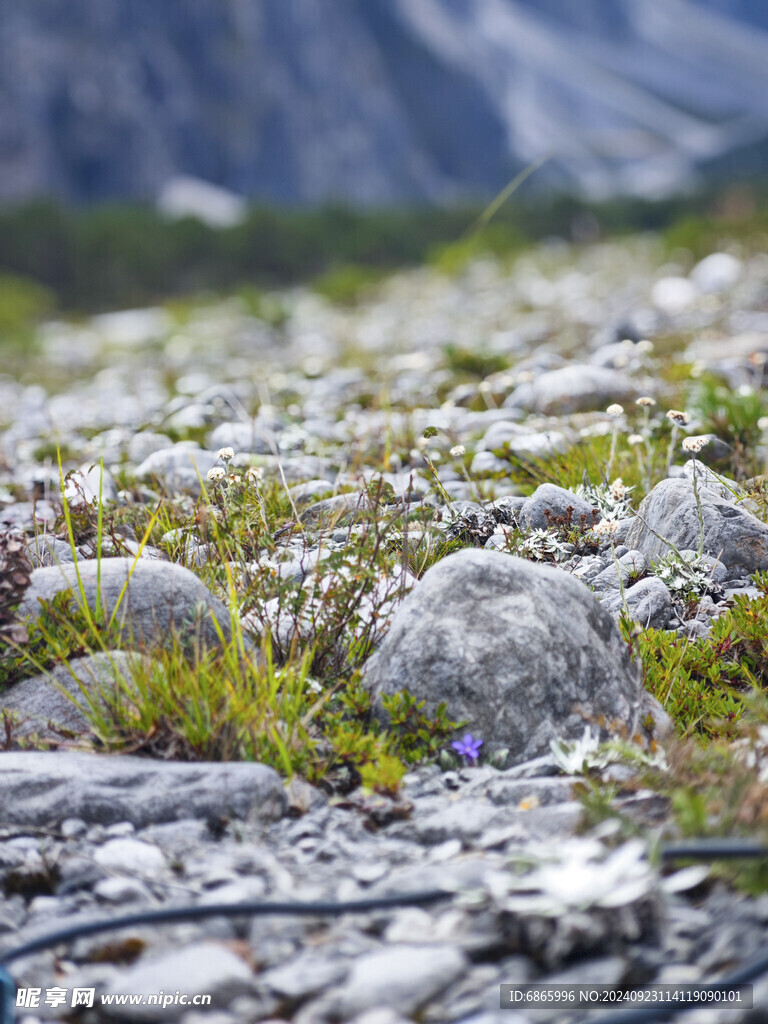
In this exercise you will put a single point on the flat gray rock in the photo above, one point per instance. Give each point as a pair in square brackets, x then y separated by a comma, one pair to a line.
[521, 651]
[205, 968]
[575, 388]
[178, 470]
[669, 515]
[41, 705]
[41, 789]
[160, 597]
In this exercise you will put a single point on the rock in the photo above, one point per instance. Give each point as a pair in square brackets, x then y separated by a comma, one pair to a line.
[130, 856]
[45, 550]
[556, 501]
[84, 486]
[401, 978]
[674, 295]
[40, 789]
[648, 602]
[160, 598]
[575, 388]
[204, 968]
[484, 463]
[716, 273]
[146, 443]
[630, 563]
[256, 437]
[178, 470]
[538, 444]
[39, 706]
[520, 651]
[29, 516]
[669, 515]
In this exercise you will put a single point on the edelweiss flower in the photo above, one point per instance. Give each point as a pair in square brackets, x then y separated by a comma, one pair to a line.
[645, 400]
[254, 476]
[216, 474]
[615, 409]
[618, 490]
[677, 416]
[225, 454]
[695, 444]
[606, 527]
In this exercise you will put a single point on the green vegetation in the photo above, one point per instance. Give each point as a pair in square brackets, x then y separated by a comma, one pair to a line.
[120, 256]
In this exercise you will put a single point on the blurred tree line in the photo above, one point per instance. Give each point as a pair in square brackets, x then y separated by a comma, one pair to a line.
[107, 257]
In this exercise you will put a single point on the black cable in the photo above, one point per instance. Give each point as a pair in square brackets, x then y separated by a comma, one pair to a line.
[662, 1011]
[714, 849]
[248, 909]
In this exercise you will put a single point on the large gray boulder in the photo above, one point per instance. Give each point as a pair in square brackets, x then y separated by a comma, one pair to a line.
[575, 388]
[41, 789]
[160, 599]
[521, 651]
[669, 516]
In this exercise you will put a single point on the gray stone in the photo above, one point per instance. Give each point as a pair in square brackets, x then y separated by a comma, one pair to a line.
[205, 968]
[130, 856]
[53, 703]
[178, 470]
[160, 598]
[487, 462]
[632, 563]
[520, 651]
[256, 437]
[402, 978]
[669, 515]
[556, 500]
[45, 550]
[28, 515]
[538, 444]
[42, 789]
[648, 602]
[575, 388]
[146, 443]
[84, 486]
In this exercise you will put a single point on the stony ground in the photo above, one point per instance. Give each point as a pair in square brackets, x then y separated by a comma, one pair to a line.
[513, 366]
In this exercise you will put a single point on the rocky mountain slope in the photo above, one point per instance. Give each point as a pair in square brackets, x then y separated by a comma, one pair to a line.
[376, 101]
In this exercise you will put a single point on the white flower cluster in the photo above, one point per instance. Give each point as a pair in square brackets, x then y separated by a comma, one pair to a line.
[685, 573]
[611, 500]
[582, 874]
[544, 546]
[696, 443]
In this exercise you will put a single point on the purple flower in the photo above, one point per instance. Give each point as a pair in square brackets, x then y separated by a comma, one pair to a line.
[467, 747]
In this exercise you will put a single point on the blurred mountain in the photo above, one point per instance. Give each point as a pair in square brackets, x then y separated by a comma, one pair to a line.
[374, 101]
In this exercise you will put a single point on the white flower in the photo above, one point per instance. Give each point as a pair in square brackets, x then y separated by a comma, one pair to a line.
[618, 490]
[677, 416]
[695, 444]
[226, 454]
[457, 451]
[635, 439]
[615, 409]
[254, 476]
[606, 527]
[572, 758]
[645, 400]
[216, 474]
